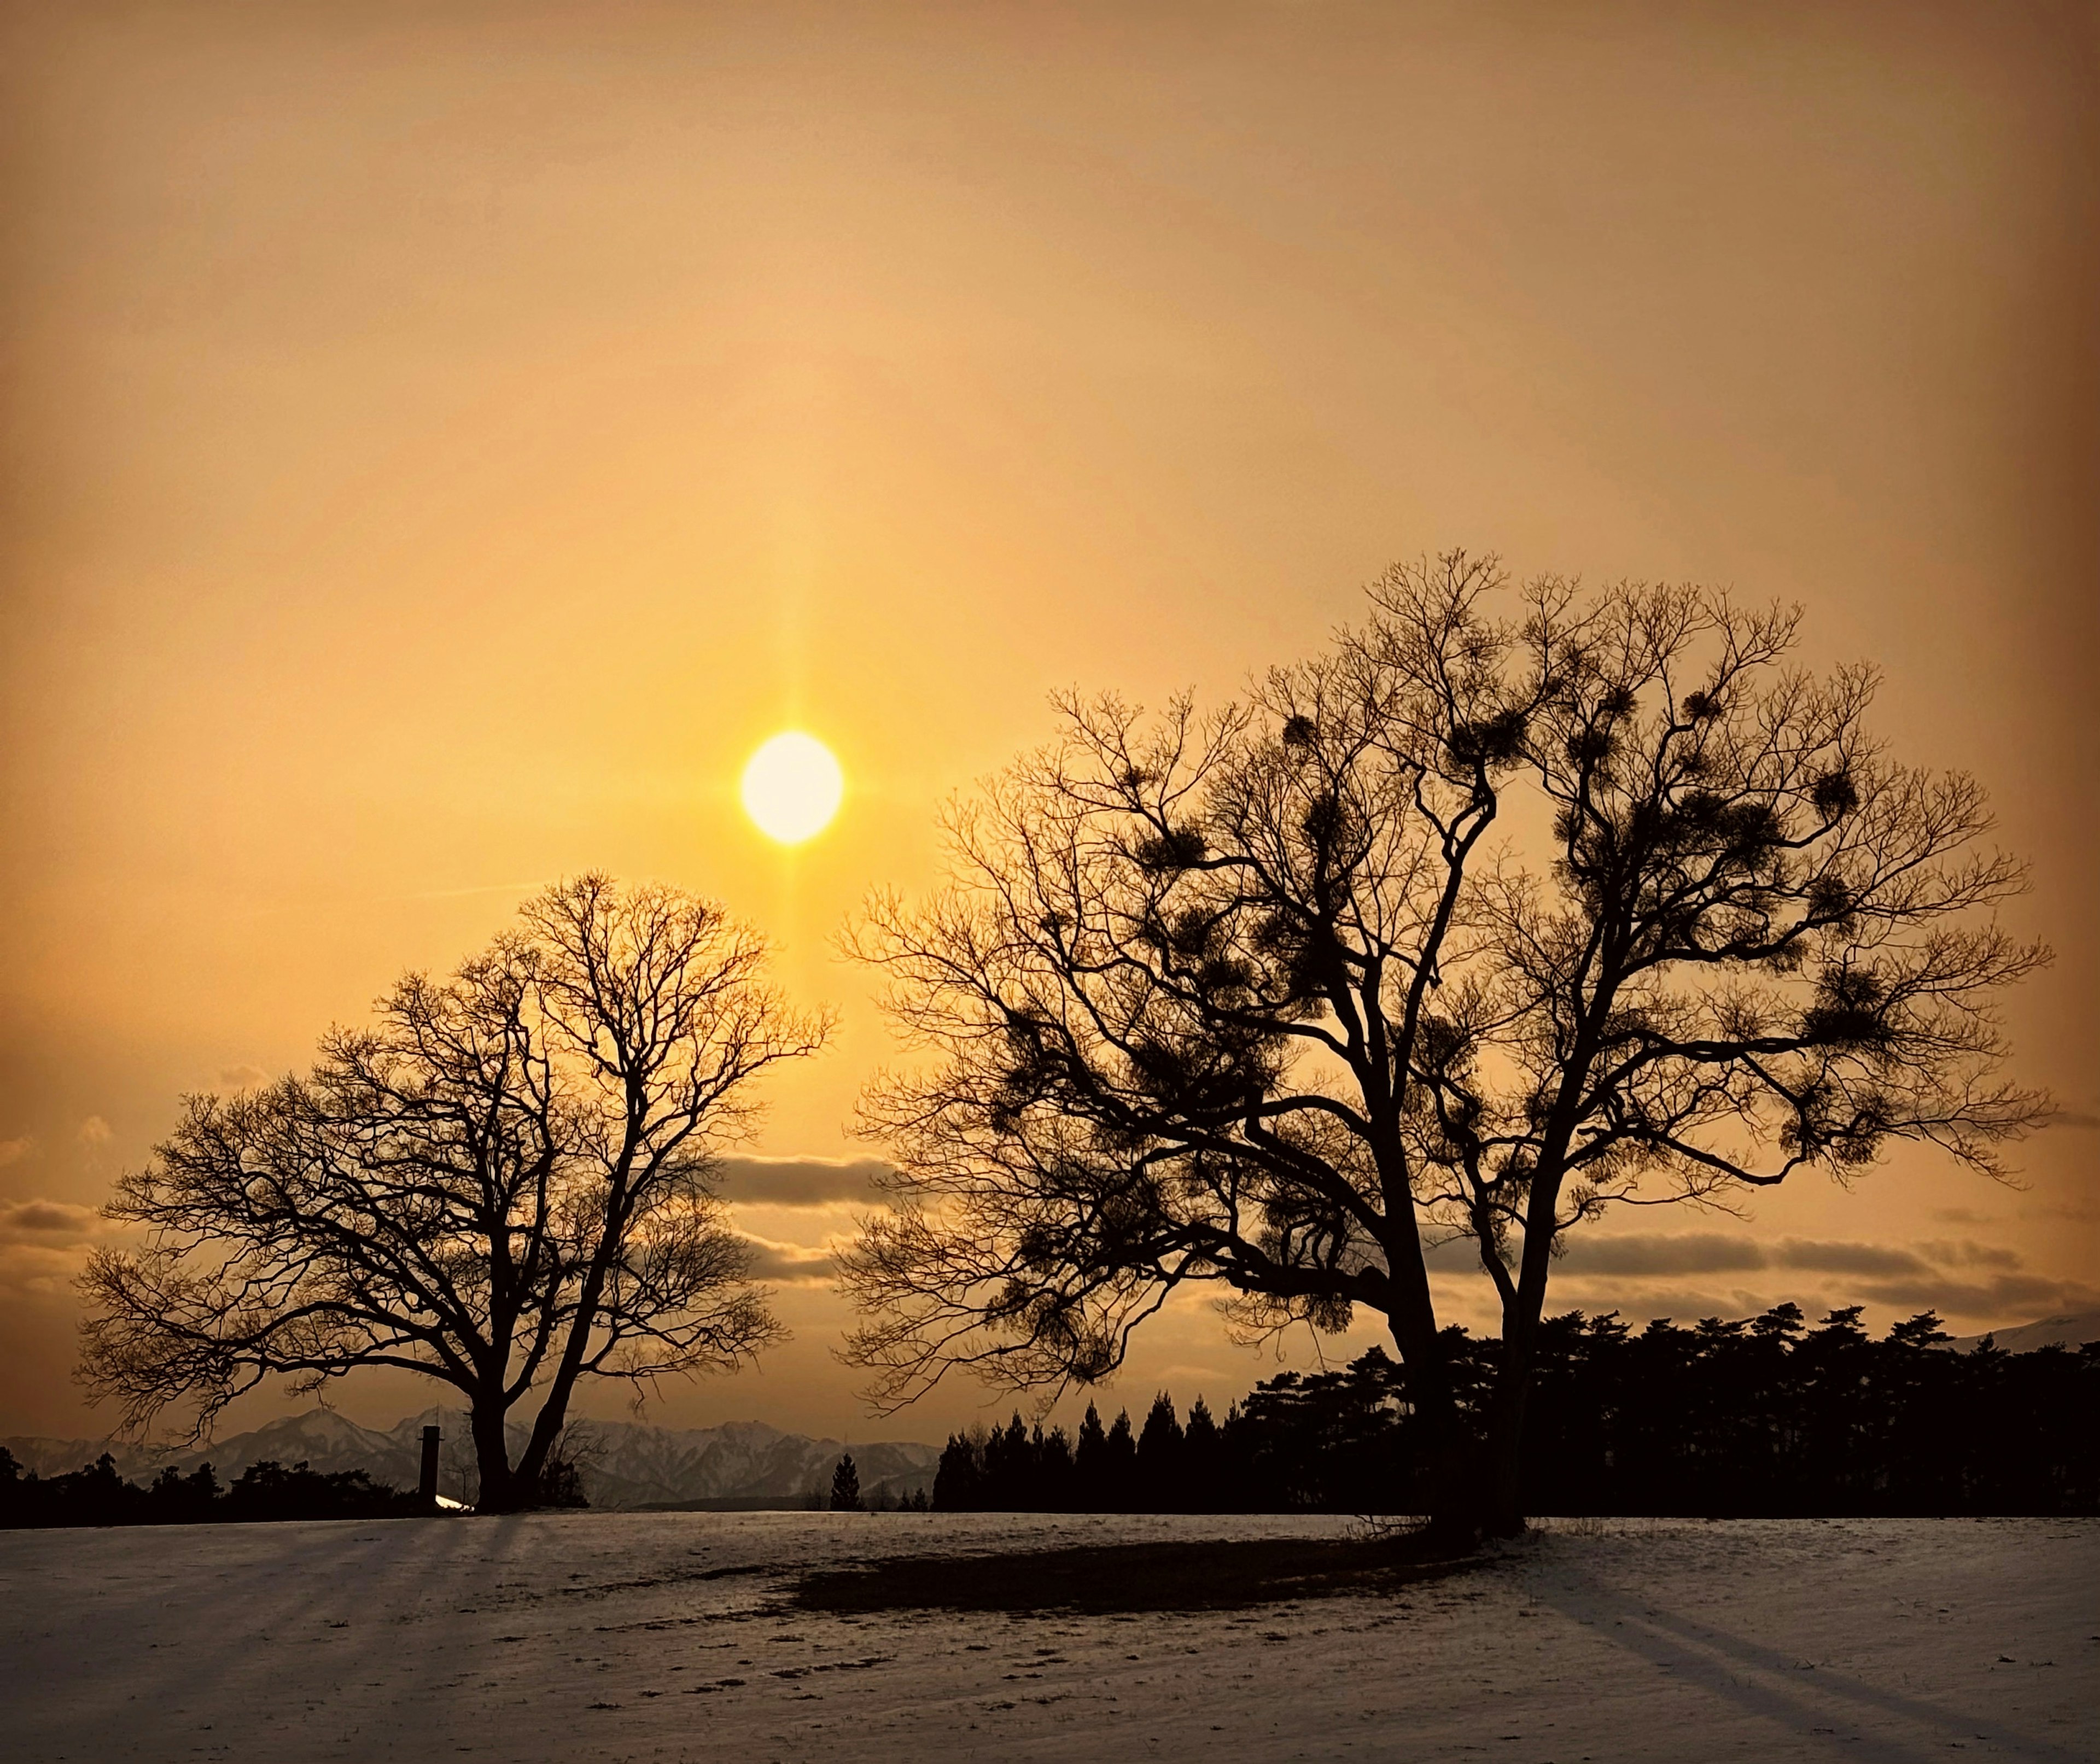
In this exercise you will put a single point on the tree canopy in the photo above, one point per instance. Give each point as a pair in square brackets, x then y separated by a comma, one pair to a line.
[505, 1183]
[1512, 906]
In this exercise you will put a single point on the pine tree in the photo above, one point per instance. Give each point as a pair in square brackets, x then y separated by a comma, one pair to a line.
[846, 1486]
[1090, 1464]
[1006, 1463]
[1120, 1466]
[1203, 1465]
[1054, 1489]
[958, 1481]
[1160, 1454]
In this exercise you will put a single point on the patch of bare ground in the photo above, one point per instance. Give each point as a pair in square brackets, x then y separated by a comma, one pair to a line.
[1208, 1575]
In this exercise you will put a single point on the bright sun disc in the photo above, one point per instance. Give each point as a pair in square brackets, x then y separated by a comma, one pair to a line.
[792, 787]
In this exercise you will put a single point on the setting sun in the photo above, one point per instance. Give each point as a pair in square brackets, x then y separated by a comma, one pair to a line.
[792, 787]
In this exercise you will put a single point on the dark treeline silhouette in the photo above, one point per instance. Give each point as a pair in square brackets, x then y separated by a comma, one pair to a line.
[828, 1500]
[1765, 1416]
[97, 1495]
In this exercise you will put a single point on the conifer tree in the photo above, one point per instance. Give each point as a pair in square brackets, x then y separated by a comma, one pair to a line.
[1203, 1461]
[1053, 1491]
[1090, 1464]
[846, 1486]
[1120, 1466]
[1159, 1451]
[959, 1480]
[1006, 1467]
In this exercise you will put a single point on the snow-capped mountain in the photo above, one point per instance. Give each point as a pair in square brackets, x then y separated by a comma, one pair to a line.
[2073, 1331]
[623, 1464]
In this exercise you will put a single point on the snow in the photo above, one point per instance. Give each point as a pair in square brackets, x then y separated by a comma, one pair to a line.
[620, 1636]
[2073, 1331]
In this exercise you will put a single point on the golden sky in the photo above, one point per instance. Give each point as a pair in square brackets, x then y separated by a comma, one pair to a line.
[440, 443]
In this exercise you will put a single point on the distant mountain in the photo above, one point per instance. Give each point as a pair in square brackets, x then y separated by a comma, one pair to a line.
[319, 1437]
[2073, 1331]
[623, 1463]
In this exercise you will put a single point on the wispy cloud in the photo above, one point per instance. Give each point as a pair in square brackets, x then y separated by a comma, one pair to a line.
[788, 1264]
[44, 1245]
[14, 1151]
[1693, 1252]
[2003, 1296]
[1712, 1252]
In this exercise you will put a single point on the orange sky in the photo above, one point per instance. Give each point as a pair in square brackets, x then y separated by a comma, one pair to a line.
[441, 441]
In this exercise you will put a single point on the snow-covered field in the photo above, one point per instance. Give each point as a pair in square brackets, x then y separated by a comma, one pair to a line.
[613, 1636]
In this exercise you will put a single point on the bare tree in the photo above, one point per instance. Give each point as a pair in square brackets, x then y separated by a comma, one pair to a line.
[1248, 998]
[506, 1184]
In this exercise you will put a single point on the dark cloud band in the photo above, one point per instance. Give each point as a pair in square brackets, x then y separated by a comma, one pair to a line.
[788, 1264]
[802, 1181]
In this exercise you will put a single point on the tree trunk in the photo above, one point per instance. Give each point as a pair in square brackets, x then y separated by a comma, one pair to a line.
[502, 1490]
[1504, 1491]
[1454, 1505]
[546, 1429]
[1454, 1508]
[1504, 1514]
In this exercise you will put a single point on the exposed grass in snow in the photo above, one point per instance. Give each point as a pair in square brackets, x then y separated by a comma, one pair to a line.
[1211, 1574]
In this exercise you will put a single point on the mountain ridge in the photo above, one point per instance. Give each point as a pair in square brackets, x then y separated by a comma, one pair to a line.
[2072, 1329]
[622, 1464]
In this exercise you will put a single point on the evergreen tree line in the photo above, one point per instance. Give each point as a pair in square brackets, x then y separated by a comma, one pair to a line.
[846, 1495]
[97, 1495]
[1763, 1416]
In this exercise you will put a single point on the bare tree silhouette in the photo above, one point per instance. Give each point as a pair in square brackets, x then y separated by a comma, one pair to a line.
[506, 1183]
[1247, 997]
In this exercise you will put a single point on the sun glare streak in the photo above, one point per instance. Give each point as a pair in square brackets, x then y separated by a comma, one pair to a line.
[792, 787]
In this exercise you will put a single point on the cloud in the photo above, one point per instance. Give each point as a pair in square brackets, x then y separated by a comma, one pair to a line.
[1639, 1304]
[1847, 1258]
[39, 1270]
[1638, 1274]
[1693, 1252]
[95, 1131]
[788, 1264]
[51, 1224]
[241, 1077]
[802, 1181]
[1968, 1253]
[2074, 1118]
[44, 1245]
[1671, 1253]
[14, 1151]
[2001, 1296]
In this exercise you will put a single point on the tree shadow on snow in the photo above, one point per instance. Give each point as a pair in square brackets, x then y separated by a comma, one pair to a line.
[1129, 1577]
[1777, 1685]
